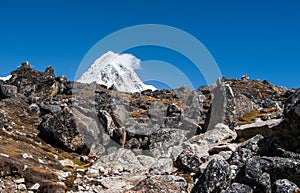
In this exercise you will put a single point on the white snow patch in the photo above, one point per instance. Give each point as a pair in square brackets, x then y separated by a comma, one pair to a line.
[5, 78]
[118, 70]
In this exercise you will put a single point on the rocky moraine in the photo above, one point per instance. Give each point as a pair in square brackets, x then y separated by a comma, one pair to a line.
[239, 135]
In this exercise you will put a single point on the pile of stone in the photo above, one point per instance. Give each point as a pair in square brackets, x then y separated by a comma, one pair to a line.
[63, 136]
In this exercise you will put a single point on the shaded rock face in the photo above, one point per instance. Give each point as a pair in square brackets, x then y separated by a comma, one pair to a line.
[31, 82]
[282, 168]
[62, 129]
[253, 175]
[290, 129]
[61, 136]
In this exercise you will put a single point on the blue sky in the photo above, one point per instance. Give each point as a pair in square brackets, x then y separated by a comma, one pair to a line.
[260, 38]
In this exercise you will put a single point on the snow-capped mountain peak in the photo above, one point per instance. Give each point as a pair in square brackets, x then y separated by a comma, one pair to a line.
[118, 70]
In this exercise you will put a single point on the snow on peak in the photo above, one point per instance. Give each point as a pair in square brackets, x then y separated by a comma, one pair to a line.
[5, 78]
[118, 70]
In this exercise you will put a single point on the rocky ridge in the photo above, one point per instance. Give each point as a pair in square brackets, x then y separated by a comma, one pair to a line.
[63, 136]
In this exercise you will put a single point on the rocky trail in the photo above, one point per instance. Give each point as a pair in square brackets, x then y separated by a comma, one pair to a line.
[238, 136]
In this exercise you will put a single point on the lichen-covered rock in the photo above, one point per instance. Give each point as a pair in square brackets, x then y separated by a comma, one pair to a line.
[215, 178]
[252, 174]
[245, 151]
[64, 130]
[238, 188]
[253, 170]
[264, 184]
[284, 186]
[198, 147]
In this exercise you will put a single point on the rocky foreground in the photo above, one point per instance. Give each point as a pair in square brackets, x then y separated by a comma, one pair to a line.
[62, 136]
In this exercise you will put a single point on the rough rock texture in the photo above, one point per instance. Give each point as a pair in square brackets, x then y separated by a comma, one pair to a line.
[8, 91]
[290, 132]
[244, 97]
[265, 128]
[63, 130]
[198, 147]
[253, 175]
[215, 178]
[34, 83]
[165, 184]
[62, 136]
[282, 168]
[284, 186]
[238, 188]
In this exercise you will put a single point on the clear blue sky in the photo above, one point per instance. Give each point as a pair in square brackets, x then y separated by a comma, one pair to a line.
[260, 38]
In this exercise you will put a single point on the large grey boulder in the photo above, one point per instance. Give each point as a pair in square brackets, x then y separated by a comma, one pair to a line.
[70, 130]
[215, 178]
[197, 148]
[120, 161]
[192, 157]
[245, 151]
[253, 175]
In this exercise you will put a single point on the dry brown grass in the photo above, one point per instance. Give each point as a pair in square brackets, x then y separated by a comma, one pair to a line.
[201, 123]
[248, 117]
[139, 113]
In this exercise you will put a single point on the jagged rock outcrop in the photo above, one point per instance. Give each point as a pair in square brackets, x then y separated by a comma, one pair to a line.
[33, 83]
[290, 128]
[246, 100]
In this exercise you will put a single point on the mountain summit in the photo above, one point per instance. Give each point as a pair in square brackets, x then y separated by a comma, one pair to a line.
[118, 70]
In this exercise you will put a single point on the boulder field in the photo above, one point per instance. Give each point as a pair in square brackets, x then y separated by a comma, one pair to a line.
[237, 136]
